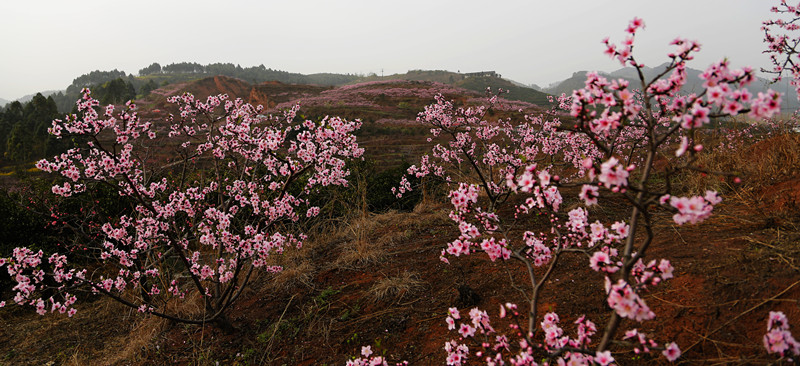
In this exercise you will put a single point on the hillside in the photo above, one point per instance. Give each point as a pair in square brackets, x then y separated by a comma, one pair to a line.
[388, 108]
[477, 83]
[372, 276]
[515, 92]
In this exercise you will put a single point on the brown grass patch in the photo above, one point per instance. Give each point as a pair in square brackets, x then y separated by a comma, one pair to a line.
[360, 248]
[396, 288]
[761, 166]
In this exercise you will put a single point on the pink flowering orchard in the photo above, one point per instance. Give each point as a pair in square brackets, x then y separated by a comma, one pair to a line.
[523, 191]
[202, 222]
[502, 170]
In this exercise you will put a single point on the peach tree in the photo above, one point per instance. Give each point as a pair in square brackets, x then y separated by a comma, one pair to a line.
[201, 222]
[501, 171]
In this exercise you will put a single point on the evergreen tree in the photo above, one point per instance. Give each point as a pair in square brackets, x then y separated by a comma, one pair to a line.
[154, 68]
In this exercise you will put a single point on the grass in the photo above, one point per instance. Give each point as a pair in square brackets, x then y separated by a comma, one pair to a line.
[359, 250]
[396, 288]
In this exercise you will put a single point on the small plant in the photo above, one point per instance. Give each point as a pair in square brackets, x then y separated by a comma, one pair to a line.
[323, 298]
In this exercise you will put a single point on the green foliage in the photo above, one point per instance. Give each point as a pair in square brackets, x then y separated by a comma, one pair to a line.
[148, 87]
[379, 191]
[35, 218]
[183, 68]
[370, 189]
[480, 84]
[21, 226]
[154, 68]
[324, 296]
[23, 131]
[96, 77]
[117, 91]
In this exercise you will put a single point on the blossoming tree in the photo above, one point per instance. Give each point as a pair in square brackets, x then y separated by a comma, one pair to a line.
[782, 41]
[201, 223]
[619, 131]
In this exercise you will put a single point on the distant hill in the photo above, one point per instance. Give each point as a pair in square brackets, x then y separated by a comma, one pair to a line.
[694, 83]
[45, 93]
[28, 97]
[155, 76]
[252, 74]
[515, 92]
[476, 82]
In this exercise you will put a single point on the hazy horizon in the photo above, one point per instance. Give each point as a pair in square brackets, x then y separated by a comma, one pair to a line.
[47, 44]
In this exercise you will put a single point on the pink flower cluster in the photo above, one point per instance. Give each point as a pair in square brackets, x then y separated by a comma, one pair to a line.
[464, 196]
[24, 267]
[627, 303]
[369, 360]
[495, 348]
[623, 53]
[778, 338]
[693, 209]
[671, 352]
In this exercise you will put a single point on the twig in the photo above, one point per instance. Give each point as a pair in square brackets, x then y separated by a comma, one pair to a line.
[693, 306]
[679, 234]
[277, 326]
[781, 256]
[732, 302]
[742, 314]
[738, 345]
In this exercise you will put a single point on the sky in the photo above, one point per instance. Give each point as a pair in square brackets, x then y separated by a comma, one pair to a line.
[45, 44]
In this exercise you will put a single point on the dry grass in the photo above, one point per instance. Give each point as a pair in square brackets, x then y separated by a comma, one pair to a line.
[294, 275]
[130, 347]
[103, 332]
[396, 288]
[762, 164]
[359, 254]
[360, 248]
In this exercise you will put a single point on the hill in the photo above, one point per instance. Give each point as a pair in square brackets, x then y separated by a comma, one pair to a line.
[45, 93]
[477, 82]
[155, 76]
[388, 108]
[515, 92]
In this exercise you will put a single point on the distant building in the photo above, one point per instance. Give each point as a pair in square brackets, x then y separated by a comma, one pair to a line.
[491, 74]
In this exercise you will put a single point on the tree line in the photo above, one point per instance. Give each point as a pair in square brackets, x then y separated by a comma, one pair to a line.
[23, 130]
[253, 74]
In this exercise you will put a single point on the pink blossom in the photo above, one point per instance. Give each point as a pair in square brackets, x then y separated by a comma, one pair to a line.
[672, 352]
[604, 358]
[589, 194]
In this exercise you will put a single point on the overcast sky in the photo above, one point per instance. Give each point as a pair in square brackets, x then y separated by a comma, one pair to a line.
[46, 44]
